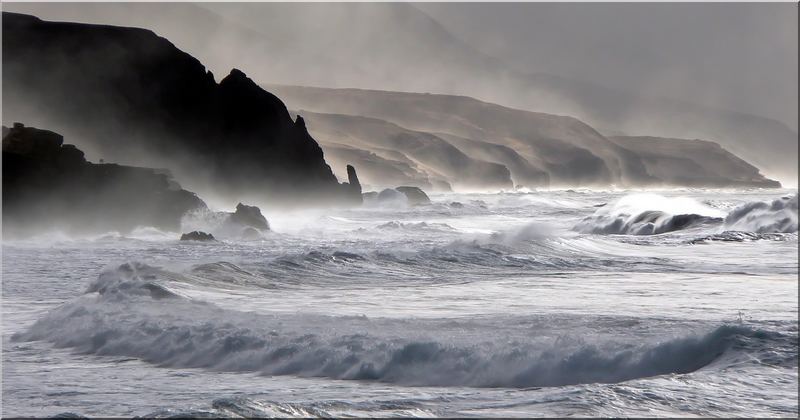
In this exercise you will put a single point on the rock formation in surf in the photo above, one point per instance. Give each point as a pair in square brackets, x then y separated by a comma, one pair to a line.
[249, 216]
[414, 195]
[403, 196]
[50, 185]
[198, 236]
[128, 95]
[352, 179]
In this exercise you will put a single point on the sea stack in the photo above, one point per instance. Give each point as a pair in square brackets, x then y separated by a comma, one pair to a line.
[352, 178]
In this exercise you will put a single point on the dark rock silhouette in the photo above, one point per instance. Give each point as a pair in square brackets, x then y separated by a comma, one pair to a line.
[197, 236]
[441, 63]
[415, 195]
[48, 184]
[352, 178]
[249, 216]
[132, 96]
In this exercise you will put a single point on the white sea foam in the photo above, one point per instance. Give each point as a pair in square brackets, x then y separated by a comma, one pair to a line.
[648, 214]
[778, 216]
[128, 312]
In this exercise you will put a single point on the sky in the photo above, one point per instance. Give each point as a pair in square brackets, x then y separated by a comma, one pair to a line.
[740, 57]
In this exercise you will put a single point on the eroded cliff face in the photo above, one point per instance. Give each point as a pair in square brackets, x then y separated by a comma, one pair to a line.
[424, 152]
[128, 95]
[682, 162]
[49, 185]
[538, 149]
[556, 150]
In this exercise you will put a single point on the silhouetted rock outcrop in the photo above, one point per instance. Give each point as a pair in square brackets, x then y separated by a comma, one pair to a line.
[49, 185]
[249, 216]
[197, 236]
[352, 179]
[415, 195]
[131, 96]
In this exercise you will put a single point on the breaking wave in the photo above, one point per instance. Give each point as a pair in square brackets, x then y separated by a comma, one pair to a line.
[779, 216]
[131, 312]
[649, 214]
[738, 236]
[396, 225]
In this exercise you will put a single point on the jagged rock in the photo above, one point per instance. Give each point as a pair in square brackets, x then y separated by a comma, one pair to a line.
[352, 178]
[249, 216]
[233, 133]
[48, 184]
[415, 195]
[197, 236]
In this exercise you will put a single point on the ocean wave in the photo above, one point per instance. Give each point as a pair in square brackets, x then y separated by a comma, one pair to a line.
[238, 406]
[424, 226]
[220, 225]
[779, 216]
[737, 236]
[649, 214]
[127, 312]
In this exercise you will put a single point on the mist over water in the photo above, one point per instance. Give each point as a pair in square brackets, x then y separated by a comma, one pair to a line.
[435, 218]
[477, 304]
[663, 74]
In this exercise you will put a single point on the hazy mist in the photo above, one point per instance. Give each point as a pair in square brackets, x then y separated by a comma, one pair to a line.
[740, 56]
[672, 70]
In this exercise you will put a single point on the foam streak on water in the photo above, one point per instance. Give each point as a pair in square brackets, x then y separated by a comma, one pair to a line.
[559, 303]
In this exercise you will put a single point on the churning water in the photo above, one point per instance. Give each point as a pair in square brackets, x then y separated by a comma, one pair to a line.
[557, 303]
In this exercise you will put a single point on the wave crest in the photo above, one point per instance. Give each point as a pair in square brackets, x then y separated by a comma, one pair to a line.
[122, 317]
[779, 216]
[648, 214]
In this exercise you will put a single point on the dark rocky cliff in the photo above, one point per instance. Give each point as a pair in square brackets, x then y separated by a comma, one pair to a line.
[131, 96]
[50, 185]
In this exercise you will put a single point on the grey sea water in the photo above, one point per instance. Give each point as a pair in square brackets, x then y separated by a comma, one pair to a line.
[558, 303]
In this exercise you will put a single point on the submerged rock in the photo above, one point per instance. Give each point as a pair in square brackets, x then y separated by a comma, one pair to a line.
[415, 195]
[197, 236]
[249, 216]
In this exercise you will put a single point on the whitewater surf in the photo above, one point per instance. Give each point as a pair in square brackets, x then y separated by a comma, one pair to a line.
[589, 303]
